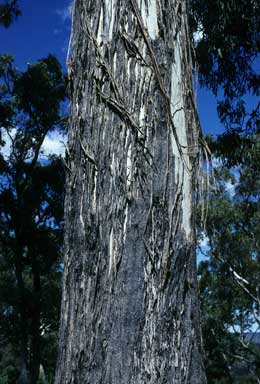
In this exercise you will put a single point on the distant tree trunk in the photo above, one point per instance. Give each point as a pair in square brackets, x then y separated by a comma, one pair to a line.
[23, 344]
[36, 322]
[130, 311]
[23, 376]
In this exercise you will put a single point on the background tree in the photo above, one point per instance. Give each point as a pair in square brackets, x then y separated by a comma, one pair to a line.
[31, 206]
[9, 11]
[227, 55]
[229, 281]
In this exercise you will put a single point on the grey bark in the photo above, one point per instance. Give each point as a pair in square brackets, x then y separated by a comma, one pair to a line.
[130, 311]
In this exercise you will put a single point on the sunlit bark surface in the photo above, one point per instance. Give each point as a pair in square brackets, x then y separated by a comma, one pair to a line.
[130, 309]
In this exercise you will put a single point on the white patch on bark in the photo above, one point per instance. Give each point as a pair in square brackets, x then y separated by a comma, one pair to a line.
[82, 203]
[94, 203]
[177, 107]
[114, 62]
[109, 20]
[142, 115]
[125, 224]
[128, 159]
[181, 162]
[176, 361]
[100, 26]
[149, 16]
[106, 21]
[113, 165]
[128, 67]
[111, 251]
[186, 203]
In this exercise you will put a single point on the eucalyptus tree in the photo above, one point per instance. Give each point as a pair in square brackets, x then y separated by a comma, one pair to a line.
[227, 53]
[229, 279]
[31, 211]
[130, 311]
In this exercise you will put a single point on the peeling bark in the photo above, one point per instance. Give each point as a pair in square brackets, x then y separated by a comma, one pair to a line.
[130, 311]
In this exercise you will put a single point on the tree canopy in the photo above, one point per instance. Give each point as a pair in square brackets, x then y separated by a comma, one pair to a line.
[229, 280]
[9, 11]
[227, 44]
[227, 52]
[31, 209]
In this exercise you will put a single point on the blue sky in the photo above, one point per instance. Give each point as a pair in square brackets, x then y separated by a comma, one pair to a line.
[44, 28]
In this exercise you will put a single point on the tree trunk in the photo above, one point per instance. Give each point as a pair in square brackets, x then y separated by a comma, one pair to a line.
[130, 311]
[36, 322]
[23, 342]
[23, 336]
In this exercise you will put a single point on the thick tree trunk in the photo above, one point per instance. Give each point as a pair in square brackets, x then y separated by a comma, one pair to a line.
[130, 311]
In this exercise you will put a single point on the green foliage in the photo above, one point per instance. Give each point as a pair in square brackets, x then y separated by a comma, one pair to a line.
[31, 213]
[9, 11]
[45, 75]
[8, 365]
[227, 55]
[229, 280]
[231, 40]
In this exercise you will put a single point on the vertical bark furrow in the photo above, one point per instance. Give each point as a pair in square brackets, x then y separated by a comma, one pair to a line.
[130, 307]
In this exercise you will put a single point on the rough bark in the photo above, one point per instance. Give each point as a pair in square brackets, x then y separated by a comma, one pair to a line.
[130, 310]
